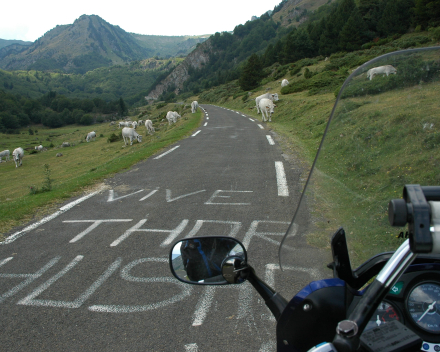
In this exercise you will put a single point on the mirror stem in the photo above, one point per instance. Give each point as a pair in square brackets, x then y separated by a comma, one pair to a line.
[274, 301]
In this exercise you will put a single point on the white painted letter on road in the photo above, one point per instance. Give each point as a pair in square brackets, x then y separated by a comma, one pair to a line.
[217, 195]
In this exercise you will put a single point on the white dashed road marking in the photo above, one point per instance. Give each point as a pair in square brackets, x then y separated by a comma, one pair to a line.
[169, 151]
[195, 134]
[283, 190]
[270, 140]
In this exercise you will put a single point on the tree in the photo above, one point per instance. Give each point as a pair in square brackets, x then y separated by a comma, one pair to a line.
[396, 17]
[298, 46]
[328, 41]
[122, 109]
[8, 120]
[352, 35]
[86, 120]
[371, 12]
[251, 74]
[427, 13]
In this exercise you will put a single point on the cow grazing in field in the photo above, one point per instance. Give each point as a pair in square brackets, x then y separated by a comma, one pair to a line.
[134, 124]
[4, 154]
[17, 155]
[381, 70]
[172, 117]
[273, 97]
[124, 124]
[130, 134]
[149, 126]
[284, 83]
[267, 108]
[90, 136]
[39, 148]
[194, 106]
[140, 122]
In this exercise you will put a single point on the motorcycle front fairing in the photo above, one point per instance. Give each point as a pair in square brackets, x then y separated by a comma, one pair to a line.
[383, 134]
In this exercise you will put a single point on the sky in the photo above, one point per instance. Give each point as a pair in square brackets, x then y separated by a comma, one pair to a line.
[29, 20]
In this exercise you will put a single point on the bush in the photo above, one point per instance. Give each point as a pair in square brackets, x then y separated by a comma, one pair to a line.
[47, 184]
[436, 34]
[321, 82]
[307, 73]
[114, 138]
[161, 105]
[86, 120]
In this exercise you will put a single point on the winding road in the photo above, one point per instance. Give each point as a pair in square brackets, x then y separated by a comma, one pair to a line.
[95, 276]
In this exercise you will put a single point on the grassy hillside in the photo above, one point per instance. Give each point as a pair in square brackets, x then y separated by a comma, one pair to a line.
[372, 176]
[130, 81]
[73, 171]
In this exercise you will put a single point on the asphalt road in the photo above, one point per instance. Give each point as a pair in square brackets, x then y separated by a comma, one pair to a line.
[95, 276]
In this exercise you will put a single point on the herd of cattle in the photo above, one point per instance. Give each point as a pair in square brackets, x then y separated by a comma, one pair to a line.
[264, 104]
[128, 134]
[17, 155]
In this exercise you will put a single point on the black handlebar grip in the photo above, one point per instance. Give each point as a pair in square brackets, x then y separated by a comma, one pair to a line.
[397, 212]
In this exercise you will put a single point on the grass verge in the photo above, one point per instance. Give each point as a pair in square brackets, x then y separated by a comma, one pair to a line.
[81, 165]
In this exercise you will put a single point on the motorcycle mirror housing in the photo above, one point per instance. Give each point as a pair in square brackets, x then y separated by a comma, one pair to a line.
[210, 260]
[413, 209]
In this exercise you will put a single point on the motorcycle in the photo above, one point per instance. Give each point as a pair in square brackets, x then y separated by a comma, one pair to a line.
[382, 137]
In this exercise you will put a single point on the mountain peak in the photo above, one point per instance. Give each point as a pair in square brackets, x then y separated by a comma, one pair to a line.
[88, 43]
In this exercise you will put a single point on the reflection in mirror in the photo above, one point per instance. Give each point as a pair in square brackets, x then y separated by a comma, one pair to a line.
[231, 269]
[199, 259]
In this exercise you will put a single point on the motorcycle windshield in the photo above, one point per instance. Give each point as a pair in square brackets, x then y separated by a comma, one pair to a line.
[383, 133]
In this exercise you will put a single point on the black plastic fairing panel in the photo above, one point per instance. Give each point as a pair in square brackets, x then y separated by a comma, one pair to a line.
[311, 321]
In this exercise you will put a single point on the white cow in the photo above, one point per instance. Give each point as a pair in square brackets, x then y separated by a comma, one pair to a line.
[194, 106]
[140, 122]
[273, 97]
[387, 70]
[4, 154]
[284, 83]
[172, 117]
[266, 106]
[17, 155]
[39, 148]
[130, 134]
[134, 124]
[149, 126]
[124, 124]
[90, 136]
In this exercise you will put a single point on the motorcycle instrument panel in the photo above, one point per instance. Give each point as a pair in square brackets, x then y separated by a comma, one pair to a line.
[423, 306]
[385, 312]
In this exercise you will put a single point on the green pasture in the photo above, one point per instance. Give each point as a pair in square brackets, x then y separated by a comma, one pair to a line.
[384, 139]
[82, 164]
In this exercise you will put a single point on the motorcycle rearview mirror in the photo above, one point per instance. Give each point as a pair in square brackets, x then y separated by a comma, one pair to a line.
[211, 260]
[414, 209]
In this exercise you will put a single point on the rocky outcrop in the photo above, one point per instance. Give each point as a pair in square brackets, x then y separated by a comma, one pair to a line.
[195, 60]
